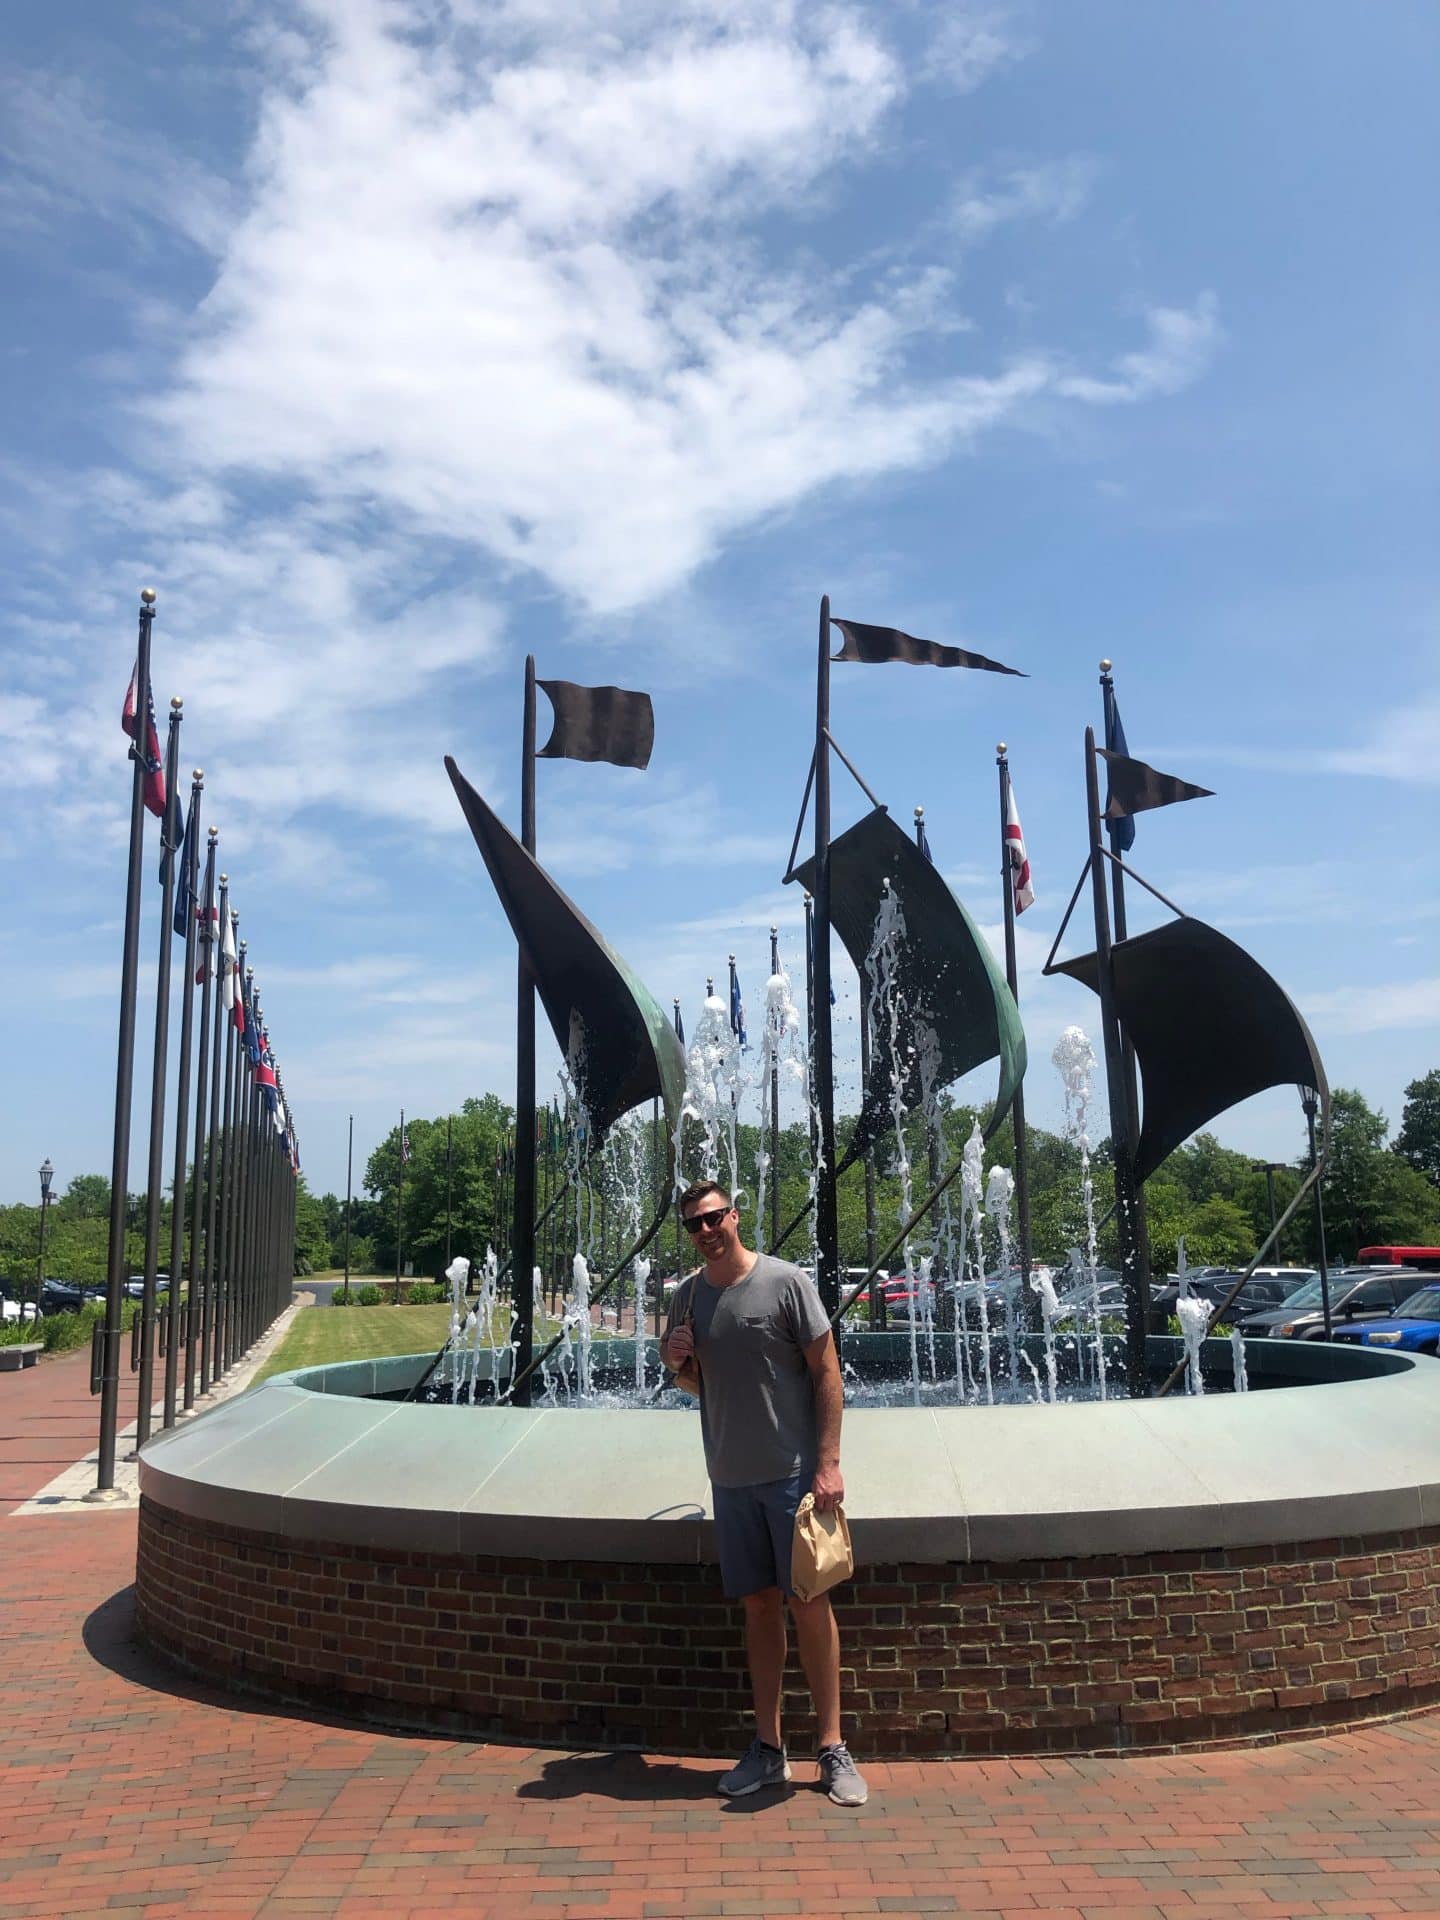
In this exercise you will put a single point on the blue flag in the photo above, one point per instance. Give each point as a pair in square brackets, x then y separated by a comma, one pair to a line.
[253, 1042]
[737, 1008]
[810, 952]
[184, 898]
[1122, 831]
[679, 1025]
[922, 839]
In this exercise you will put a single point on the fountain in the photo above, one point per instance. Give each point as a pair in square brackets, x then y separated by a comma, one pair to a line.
[1047, 1561]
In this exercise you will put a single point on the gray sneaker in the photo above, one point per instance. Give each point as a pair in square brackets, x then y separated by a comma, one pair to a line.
[841, 1778]
[762, 1766]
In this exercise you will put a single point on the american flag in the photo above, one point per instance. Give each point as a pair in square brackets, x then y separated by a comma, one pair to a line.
[149, 755]
[1019, 859]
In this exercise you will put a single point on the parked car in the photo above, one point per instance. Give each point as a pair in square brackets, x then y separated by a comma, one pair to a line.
[1414, 1329]
[135, 1285]
[67, 1296]
[1372, 1294]
[1080, 1304]
[15, 1306]
[1259, 1293]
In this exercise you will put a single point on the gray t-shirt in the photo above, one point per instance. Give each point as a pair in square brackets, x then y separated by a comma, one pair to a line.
[757, 1405]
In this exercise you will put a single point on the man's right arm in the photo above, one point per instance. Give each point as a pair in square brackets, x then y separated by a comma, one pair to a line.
[677, 1343]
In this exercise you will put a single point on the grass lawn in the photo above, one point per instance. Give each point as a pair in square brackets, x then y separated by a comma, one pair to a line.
[323, 1334]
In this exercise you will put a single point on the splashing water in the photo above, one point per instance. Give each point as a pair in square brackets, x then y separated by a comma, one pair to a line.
[782, 1051]
[642, 1345]
[458, 1274]
[972, 1215]
[1042, 1284]
[1075, 1058]
[1194, 1316]
[882, 967]
[714, 1082]
[1237, 1357]
[577, 1324]
[999, 1193]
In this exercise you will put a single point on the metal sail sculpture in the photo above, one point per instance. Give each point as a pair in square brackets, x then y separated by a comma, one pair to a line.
[620, 1047]
[950, 983]
[1209, 1026]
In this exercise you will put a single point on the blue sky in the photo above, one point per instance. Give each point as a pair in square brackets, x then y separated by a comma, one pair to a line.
[391, 341]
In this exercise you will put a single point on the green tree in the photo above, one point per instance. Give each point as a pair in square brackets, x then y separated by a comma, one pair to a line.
[478, 1129]
[1418, 1141]
[1372, 1197]
[86, 1198]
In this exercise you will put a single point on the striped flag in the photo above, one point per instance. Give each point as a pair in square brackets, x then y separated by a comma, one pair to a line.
[1019, 860]
[149, 753]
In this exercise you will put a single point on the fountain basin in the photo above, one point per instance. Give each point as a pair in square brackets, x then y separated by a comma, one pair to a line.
[1071, 1578]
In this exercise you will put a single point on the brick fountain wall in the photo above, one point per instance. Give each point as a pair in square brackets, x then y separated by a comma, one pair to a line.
[1094, 1656]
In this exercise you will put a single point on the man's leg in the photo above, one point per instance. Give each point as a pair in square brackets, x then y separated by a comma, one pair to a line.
[765, 1652]
[819, 1642]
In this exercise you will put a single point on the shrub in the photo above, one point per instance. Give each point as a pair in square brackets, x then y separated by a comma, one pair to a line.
[424, 1293]
[369, 1296]
[340, 1298]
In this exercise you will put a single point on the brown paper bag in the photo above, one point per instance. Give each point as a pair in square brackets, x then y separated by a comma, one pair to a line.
[821, 1556]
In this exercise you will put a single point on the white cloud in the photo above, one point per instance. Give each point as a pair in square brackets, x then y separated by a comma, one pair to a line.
[1052, 190]
[1375, 1009]
[1183, 341]
[972, 42]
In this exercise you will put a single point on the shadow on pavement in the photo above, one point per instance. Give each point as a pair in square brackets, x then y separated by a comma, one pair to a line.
[619, 1776]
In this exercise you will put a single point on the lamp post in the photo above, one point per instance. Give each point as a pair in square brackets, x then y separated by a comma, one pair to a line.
[1269, 1168]
[47, 1174]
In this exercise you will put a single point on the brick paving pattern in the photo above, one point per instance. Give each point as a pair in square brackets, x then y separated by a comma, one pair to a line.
[127, 1792]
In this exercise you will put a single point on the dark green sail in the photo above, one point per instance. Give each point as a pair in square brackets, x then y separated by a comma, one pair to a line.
[1209, 1026]
[949, 982]
[611, 1031]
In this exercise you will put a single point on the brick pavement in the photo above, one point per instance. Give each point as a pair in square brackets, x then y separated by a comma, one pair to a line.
[49, 1420]
[127, 1792]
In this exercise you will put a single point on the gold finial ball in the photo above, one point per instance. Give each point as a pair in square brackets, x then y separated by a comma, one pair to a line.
[774, 930]
[197, 773]
[919, 813]
[1105, 665]
[147, 596]
[224, 878]
[176, 703]
[1000, 747]
[215, 835]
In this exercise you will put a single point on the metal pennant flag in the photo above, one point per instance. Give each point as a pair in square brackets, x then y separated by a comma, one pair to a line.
[876, 646]
[599, 723]
[1137, 788]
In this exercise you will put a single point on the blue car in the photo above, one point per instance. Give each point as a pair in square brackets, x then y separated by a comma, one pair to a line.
[1415, 1328]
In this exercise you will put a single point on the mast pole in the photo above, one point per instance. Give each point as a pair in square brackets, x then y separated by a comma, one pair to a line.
[1029, 1304]
[522, 1241]
[1131, 1270]
[827, 1226]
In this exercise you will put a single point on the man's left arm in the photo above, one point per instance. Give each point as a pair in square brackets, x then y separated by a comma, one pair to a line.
[823, 1361]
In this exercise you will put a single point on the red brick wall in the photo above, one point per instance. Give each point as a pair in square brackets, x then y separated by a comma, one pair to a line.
[1152, 1650]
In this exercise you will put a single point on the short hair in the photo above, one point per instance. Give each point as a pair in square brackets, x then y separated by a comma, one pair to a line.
[698, 1189]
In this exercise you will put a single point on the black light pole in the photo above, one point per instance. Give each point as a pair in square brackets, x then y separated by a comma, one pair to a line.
[827, 1225]
[104, 1488]
[47, 1174]
[1132, 1272]
[774, 1105]
[1269, 1168]
[400, 1207]
[522, 1238]
[449, 1177]
[349, 1162]
[1029, 1303]
[1309, 1100]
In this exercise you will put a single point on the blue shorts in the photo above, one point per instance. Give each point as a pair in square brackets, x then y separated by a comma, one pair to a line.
[755, 1533]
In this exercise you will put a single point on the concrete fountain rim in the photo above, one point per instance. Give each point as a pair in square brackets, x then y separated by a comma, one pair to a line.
[304, 1458]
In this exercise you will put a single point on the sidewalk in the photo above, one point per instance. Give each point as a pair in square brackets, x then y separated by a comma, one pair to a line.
[128, 1791]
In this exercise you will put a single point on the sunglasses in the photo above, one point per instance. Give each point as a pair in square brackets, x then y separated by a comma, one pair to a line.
[705, 1222]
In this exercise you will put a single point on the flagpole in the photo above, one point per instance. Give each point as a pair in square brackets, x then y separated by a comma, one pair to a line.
[182, 1099]
[104, 1488]
[1029, 1303]
[810, 1029]
[522, 1242]
[1137, 1383]
[159, 1066]
[214, 1153]
[449, 1178]
[399, 1206]
[679, 1143]
[1132, 1085]
[349, 1165]
[225, 1263]
[867, 1159]
[827, 1226]
[205, 936]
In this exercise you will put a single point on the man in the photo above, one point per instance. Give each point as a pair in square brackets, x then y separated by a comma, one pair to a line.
[770, 1405]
